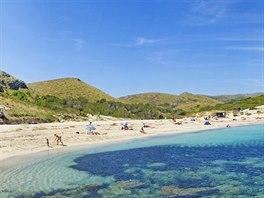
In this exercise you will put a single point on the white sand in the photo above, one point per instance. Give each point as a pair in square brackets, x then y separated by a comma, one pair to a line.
[17, 140]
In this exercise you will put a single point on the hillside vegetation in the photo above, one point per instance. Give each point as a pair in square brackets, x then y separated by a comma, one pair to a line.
[24, 110]
[49, 100]
[185, 102]
[151, 98]
[68, 87]
[235, 97]
[51, 106]
[248, 103]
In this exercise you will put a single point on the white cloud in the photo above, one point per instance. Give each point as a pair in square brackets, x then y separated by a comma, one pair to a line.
[254, 83]
[78, 43]
[145, 41]
[243, 48]
[140, 41]
[63, 19]
[248, 34]
[206, 12]
[164, 57]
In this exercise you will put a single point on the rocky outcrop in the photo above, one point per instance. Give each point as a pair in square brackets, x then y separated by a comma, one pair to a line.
[70, 117]
[10, 82]
[17, 84]
[22, 121]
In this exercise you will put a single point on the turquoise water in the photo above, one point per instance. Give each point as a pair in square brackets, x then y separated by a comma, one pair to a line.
[219, 163]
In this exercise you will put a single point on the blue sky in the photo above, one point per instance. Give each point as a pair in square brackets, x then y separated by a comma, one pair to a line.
[126, 47]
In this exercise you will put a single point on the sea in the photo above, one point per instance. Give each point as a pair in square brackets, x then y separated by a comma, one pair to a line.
[225, 162]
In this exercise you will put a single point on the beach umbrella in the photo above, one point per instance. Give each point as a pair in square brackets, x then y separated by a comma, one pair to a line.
[124, 123]
[90, 128]
[206, 123]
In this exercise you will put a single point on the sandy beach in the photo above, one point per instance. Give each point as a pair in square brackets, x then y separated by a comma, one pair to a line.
[17, 140]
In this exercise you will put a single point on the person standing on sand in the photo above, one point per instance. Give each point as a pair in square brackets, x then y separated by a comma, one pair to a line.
[142, 130]
[60, 140]
[56, 138]
[47, 142]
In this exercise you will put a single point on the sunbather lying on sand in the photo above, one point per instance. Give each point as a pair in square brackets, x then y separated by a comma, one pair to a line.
[145, 125]
[126, 128]
[96, 133]
[178, 123]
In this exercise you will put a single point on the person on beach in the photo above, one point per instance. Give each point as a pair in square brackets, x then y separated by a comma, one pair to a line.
[125, 127]
[58, 139]
[47, 142]
[145, 125]
[142, 130]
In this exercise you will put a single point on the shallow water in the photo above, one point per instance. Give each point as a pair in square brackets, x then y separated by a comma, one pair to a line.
[220, 163]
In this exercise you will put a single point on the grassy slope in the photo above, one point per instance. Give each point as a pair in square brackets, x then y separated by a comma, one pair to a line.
[25, 103]
[69, 87]
[248, 103]
[19, 109]
[150, 98]
[235, 97]
[191, 102]
[185, 101]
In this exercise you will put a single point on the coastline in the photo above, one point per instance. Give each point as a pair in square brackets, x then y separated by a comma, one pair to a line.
[18, 141]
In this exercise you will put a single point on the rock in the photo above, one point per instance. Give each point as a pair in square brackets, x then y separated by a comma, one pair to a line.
[129, 184]
[70, 117]
[171, 191]
[10, 82]
[17, 84]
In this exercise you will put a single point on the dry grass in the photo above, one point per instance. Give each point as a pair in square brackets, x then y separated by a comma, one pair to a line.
[20, 109]
[185, 101]
[66, 87]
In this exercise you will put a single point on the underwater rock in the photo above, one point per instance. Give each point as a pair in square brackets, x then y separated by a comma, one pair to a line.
[120, 189]
[78, 192]
[148, 193]
[172, 191]
[129, 184]
[161, 177]
[113, 192]
[133, 170]
[90, 186]
[157, 164]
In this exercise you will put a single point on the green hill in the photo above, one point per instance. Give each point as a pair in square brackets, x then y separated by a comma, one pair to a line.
[68, 87]
[48, 100]
[44, 100]
[150, 98]
[235, 97]
[186, 101]
[248, 103]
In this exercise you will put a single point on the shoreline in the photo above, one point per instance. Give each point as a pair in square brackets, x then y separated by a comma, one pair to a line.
[19, 141]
